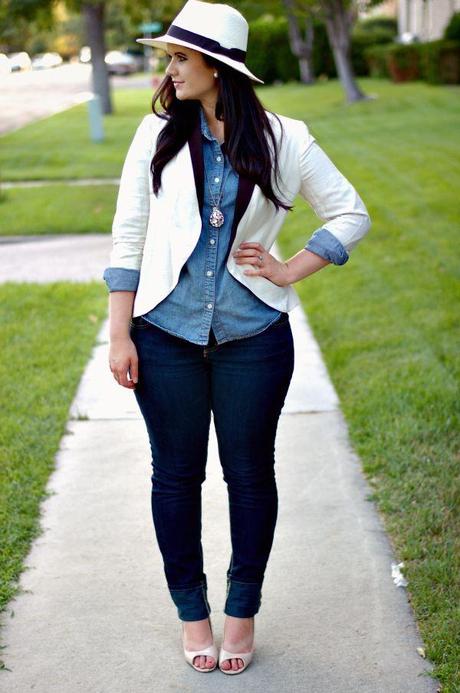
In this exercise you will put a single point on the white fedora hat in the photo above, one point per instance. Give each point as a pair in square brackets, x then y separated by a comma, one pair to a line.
[214, 29]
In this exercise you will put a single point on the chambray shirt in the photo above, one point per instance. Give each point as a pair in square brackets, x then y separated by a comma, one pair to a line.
[207, 295]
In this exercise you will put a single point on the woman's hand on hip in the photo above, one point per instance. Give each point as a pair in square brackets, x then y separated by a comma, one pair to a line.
[123, 360]
[264, 264]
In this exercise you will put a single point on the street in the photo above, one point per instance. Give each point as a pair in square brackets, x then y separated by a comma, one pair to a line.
[31, 95]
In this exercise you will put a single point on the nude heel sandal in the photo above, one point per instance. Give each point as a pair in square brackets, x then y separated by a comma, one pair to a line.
[210, 651]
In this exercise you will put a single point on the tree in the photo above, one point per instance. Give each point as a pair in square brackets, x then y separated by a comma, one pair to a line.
[338, 17]
[19, 24]
[94, 20]
[301, 47]
[94, 14]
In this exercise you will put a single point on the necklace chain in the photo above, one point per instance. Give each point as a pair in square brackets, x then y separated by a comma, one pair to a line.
[216, 217]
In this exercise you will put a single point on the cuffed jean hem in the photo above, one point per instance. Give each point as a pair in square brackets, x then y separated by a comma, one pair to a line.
[191, 602]
[243, 599]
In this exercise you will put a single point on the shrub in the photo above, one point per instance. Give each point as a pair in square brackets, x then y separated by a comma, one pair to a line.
[361, 41]
[377, 60]
[269, 53]
[403, 62]
[437, 62]
[440, 62]
[372, 24]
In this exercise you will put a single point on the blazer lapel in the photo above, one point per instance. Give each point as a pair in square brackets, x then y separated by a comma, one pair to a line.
[196, 152]
[245, 186]
[245, 190]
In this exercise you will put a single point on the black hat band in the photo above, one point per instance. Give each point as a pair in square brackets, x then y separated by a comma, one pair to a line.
[206, 43]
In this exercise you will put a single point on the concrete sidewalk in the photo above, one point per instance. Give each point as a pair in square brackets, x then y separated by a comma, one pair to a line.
[95, 614]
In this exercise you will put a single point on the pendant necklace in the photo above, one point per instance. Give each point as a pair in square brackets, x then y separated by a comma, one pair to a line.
[216, 218]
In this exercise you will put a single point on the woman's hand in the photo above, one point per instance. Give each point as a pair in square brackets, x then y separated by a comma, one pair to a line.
[265, 265]
[123, 360]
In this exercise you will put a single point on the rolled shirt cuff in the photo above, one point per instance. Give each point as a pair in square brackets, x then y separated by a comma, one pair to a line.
[121, 279]
[325, 244]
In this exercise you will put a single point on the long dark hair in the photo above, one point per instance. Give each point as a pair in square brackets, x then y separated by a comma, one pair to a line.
[246, 127]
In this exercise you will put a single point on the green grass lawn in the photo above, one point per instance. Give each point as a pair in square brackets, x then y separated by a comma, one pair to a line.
[388, 326]
[46, 336]
[387, 321]
[57, 209]
[60, 147]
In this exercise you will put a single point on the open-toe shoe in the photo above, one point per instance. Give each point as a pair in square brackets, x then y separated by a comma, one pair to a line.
[209, 651]
[245, 656]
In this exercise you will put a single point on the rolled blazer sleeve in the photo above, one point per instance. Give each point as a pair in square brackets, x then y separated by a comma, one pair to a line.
[334, 200]
[131, 218]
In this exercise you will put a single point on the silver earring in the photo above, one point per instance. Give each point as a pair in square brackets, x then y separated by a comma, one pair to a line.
[215, 74]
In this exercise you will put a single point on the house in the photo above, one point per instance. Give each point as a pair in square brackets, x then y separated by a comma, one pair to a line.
[423, 19]
[384, 9]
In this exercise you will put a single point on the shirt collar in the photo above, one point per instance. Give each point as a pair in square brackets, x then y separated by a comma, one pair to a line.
[205, 131]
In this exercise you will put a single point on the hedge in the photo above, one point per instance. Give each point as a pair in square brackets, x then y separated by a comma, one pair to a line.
[440, 62]
[376, 58]
[361, 41]
[436, 62]
[269, 55]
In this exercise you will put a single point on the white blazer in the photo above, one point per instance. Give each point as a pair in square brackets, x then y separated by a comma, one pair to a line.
[156, 235]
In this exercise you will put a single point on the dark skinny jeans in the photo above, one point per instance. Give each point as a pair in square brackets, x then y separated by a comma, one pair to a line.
[244, 383]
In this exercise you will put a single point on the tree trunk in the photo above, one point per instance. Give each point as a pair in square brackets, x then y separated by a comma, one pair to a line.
[93, 15]
[338, 27]
[301, 48]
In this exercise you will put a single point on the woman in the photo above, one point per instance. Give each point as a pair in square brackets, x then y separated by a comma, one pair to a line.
[199, 307]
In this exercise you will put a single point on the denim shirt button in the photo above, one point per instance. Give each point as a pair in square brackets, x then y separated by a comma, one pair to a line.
[209, 273]
[209, 305]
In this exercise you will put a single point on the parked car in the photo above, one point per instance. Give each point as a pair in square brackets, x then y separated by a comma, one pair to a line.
[43, 61]
[85, 54]
[120, 63]
[19, 61]
[5, 65]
